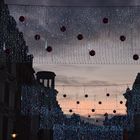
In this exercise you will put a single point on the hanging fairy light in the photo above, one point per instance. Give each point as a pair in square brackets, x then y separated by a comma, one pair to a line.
[78, 102]
[100, 102]
[122, 38]
[70, 110]
[105, 20]
[121, 102]
[114, 111]
[80, 37]
[21, 18]
[135, 56]
[37, 37]
[107, 94]
[63, 29]
[49, 49]
[64, 95]
[89, 116]
[86, 95]
[92, 53]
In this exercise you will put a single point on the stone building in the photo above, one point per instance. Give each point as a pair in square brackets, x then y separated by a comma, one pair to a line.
[39, 103]
[131, 121]
[15, 70]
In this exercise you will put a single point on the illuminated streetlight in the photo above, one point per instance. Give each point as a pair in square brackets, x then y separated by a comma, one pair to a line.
[14, 135]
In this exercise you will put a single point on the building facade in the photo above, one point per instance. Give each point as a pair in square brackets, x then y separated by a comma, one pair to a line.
[15, 70]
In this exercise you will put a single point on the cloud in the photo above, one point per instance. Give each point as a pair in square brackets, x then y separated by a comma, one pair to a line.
[69, 77]
[66, 48]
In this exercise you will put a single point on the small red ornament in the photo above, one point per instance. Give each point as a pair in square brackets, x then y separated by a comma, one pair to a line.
[78, 102]
[105, 20]
[121, 102]
[107, 94]
[80, 37]
[92, 53]
[114, 111]
[86, 96]
[64, 95]
[89, 116]
[70, 110]
[49, 49]
[37, 37]
[63, 29]
[100, 102]
[21, 18]
[122, 38]
[135, 57]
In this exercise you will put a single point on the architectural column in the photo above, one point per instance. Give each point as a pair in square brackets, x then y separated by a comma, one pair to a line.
[53, 83]
[48, 83]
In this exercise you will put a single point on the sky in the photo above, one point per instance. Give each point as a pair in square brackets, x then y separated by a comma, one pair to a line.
[110, 70]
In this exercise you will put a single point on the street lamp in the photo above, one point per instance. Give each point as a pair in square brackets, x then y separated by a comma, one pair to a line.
[14, 135]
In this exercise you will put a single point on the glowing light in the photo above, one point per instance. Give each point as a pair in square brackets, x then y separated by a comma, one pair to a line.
[14, 135]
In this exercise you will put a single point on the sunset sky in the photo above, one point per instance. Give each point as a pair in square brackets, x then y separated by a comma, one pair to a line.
[109, 71]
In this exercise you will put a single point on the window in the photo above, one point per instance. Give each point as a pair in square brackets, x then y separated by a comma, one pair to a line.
[5, 127]
[6, 93]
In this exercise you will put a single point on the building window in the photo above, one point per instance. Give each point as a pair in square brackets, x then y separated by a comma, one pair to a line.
[9, 66]
[6, 93]
[5, 127]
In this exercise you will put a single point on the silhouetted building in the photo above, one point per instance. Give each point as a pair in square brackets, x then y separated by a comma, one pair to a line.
[28, 104]
[131, 121]
[15, 70]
